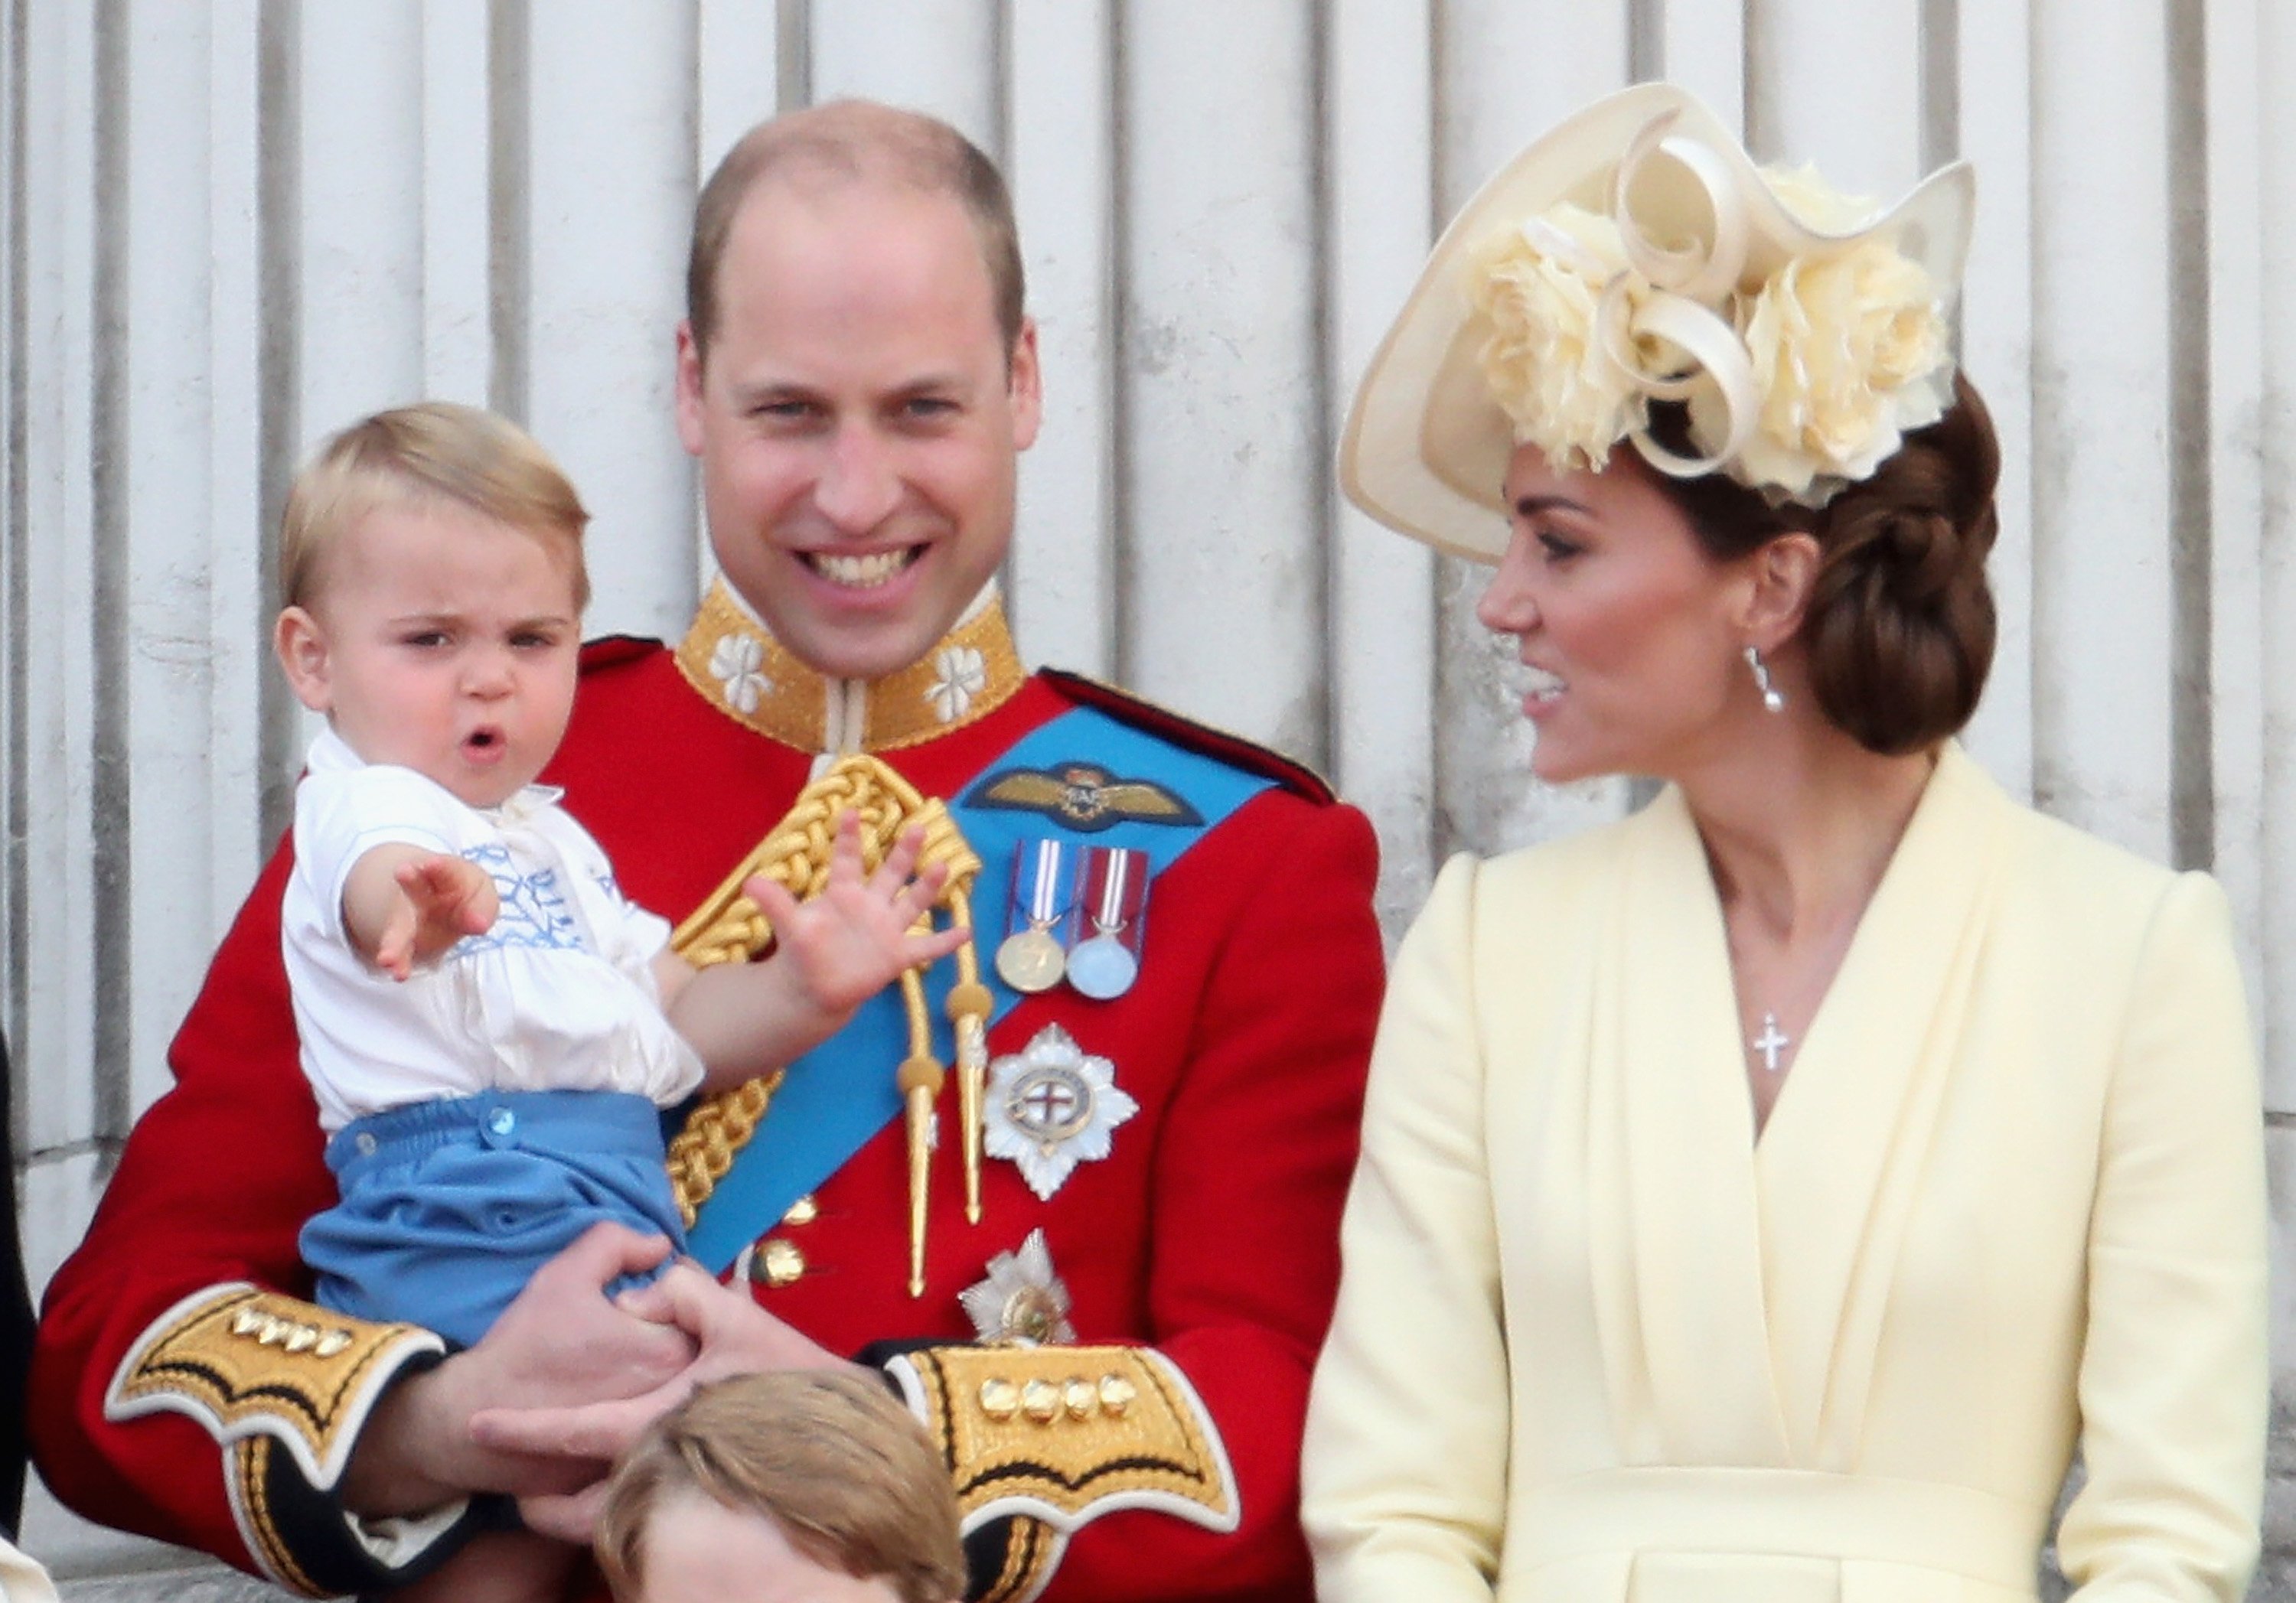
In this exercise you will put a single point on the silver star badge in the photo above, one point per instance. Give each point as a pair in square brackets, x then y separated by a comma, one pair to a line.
[1051, 1107]
[1022, 1301]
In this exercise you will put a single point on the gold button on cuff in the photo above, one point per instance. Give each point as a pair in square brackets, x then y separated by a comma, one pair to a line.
[1040, 1399]
[804, 1210]
[776, 1264]
[1117, 1394]
[1000, 1399]
[1080, 1397]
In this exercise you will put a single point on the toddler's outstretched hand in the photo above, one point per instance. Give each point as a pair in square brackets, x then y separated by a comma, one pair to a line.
[856, 938]
[441, 899]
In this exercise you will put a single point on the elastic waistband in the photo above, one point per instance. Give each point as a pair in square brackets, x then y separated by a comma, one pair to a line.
[593, 1121]
[1801, 1513]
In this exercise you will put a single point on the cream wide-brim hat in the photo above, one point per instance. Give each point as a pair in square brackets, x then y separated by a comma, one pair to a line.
[1426, 447]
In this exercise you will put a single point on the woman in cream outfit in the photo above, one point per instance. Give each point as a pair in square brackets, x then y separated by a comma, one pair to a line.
[1761, 1198]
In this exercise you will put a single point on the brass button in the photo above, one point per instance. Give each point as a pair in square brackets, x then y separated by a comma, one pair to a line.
[1000, 1399]
[1040, 1399]
[1079, 1397]
[804, 1210]
[776, 1263]
[1116, 1394]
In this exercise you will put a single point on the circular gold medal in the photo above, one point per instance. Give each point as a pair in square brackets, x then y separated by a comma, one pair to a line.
[1031, 960]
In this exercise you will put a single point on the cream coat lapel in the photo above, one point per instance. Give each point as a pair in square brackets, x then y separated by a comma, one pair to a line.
[1668, 1088]
[1840, 1163]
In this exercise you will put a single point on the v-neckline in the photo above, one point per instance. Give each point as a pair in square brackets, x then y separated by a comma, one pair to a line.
[1813, 1033]
[1788, 1242]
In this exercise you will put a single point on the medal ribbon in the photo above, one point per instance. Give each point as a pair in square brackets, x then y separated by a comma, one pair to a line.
[1115, 889]
[1046, 904]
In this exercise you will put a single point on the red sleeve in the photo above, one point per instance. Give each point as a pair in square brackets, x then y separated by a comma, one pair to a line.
[211, 1192]
[192, 1204]
[1251, 1169]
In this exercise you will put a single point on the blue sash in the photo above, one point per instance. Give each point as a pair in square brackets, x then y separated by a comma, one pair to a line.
[839, 1095]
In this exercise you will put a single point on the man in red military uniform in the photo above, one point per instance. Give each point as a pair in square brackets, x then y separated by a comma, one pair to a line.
[1152, 1073]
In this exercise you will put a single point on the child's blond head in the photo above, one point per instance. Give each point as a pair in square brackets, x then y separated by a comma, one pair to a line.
[412, 457]
[829, 1457]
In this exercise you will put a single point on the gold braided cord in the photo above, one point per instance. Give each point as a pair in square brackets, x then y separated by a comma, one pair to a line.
[728, 928]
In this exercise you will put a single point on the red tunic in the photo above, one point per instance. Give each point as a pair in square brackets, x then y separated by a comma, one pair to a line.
[1210, 1231]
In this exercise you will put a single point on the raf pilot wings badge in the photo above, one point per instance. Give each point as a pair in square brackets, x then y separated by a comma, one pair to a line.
[1083, 795]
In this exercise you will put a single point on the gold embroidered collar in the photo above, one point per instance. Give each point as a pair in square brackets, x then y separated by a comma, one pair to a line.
[743, 671]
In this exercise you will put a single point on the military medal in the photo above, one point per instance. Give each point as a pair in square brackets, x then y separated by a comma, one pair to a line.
[1033, 958]
[1021, 1303]
[1115, 895]
[1052, 1106]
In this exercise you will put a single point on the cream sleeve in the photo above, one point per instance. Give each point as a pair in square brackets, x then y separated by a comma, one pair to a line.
[2174, 1385]
[1404, 1477]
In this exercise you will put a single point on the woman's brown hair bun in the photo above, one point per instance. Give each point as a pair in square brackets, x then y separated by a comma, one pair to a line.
[1900, 629]
[1899, 626]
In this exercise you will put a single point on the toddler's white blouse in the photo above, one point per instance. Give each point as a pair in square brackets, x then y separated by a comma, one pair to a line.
[558, 995]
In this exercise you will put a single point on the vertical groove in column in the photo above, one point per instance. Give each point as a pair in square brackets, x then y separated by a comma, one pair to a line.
[1443, 835]
[2192, 733]
[1122, 655]
[1321, 189]
[279, 185]
[1647, 39]
[508, 23]
[19, 539]
[1439, 834]
[108, 795]
[1761, 116]
[2039, 698]
[1438, 107]
[1941, 83]
[793, 55]
[1000, 102]
[1941, 98]
[1000, 91]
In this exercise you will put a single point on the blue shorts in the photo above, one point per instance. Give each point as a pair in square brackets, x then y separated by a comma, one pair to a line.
[449, 1206]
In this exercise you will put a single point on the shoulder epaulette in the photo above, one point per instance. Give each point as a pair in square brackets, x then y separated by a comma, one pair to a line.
[612, 650]
[1185, 732]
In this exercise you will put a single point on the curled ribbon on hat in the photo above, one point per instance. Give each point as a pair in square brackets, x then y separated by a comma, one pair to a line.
[1686, 284]
[1799, 382]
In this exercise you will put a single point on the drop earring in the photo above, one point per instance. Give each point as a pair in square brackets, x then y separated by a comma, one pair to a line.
[1773, 699]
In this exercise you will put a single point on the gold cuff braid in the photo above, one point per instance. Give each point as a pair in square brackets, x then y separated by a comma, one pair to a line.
[246, 1364]
[1032, 1552]
[1066, 1434]
[249, 1464]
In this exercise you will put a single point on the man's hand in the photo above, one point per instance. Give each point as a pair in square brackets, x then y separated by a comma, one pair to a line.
[731, 1335]
[562, 1344]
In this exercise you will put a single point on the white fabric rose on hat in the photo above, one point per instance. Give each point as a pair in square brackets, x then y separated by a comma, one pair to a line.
[1540, 287]
[1816, 204]
[1849, 354]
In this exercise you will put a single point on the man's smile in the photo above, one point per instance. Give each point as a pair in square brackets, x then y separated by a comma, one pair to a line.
[864, 571]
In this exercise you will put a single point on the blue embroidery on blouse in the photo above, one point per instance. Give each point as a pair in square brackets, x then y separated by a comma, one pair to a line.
[534, 910]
